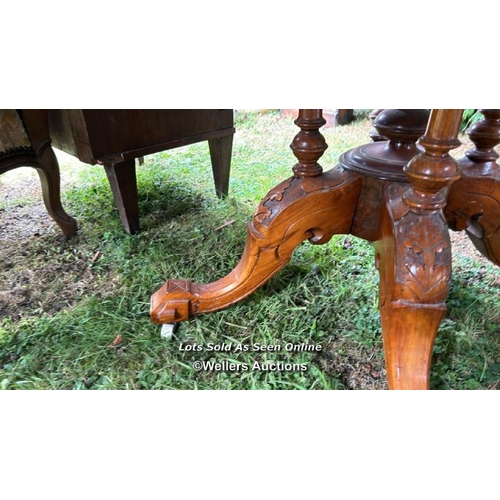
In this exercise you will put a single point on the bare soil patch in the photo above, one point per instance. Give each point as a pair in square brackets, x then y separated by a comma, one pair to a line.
[41, 272]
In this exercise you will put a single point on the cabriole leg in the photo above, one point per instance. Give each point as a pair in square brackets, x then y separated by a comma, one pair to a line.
[308, 206]
[414, 256]
[47, 167]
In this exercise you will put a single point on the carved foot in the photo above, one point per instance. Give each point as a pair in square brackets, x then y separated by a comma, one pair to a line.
[414, 260]
[298, 209]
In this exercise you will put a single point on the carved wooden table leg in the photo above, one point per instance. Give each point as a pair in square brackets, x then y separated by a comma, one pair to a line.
[311, 205]
[414, 256]
[405, 221]
[474, 200]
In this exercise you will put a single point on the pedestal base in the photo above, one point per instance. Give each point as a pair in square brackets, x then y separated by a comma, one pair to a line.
[390, 193]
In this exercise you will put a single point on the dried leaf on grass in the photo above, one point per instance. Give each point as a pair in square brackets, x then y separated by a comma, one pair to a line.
[228, 223]
[117, 341]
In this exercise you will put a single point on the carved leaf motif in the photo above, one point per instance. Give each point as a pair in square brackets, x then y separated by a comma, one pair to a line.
[426, 286]
[426, 238]
[262, 214]
[265, 210]
[424, 278]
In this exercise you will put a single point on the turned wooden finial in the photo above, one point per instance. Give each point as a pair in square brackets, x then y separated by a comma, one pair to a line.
[375, 136]
[385, 159]
[485, 134]
[434, 169]
[309, 144]
[401, 127]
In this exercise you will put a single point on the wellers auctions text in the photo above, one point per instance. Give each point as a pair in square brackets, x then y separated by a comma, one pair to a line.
[234, 347]
[228, 366]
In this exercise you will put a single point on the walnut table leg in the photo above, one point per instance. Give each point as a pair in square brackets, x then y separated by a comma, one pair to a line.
[311, 205]
[414, 256]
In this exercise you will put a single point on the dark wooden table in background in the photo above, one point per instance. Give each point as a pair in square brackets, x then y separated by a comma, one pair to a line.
[115, 138]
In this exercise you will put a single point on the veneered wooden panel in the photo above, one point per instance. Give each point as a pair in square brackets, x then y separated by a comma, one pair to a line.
[120, 130]
[69, 133]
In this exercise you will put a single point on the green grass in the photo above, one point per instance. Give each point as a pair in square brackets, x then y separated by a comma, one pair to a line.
[327, 295]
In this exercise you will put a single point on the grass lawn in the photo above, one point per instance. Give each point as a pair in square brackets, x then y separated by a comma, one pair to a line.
[74, 314]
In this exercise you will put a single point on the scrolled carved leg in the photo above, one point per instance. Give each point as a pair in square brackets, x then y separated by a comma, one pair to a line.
[474, 200]
[47, 167]
[414, 260]
[308, 206]
[297, 209]
[414, 255]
